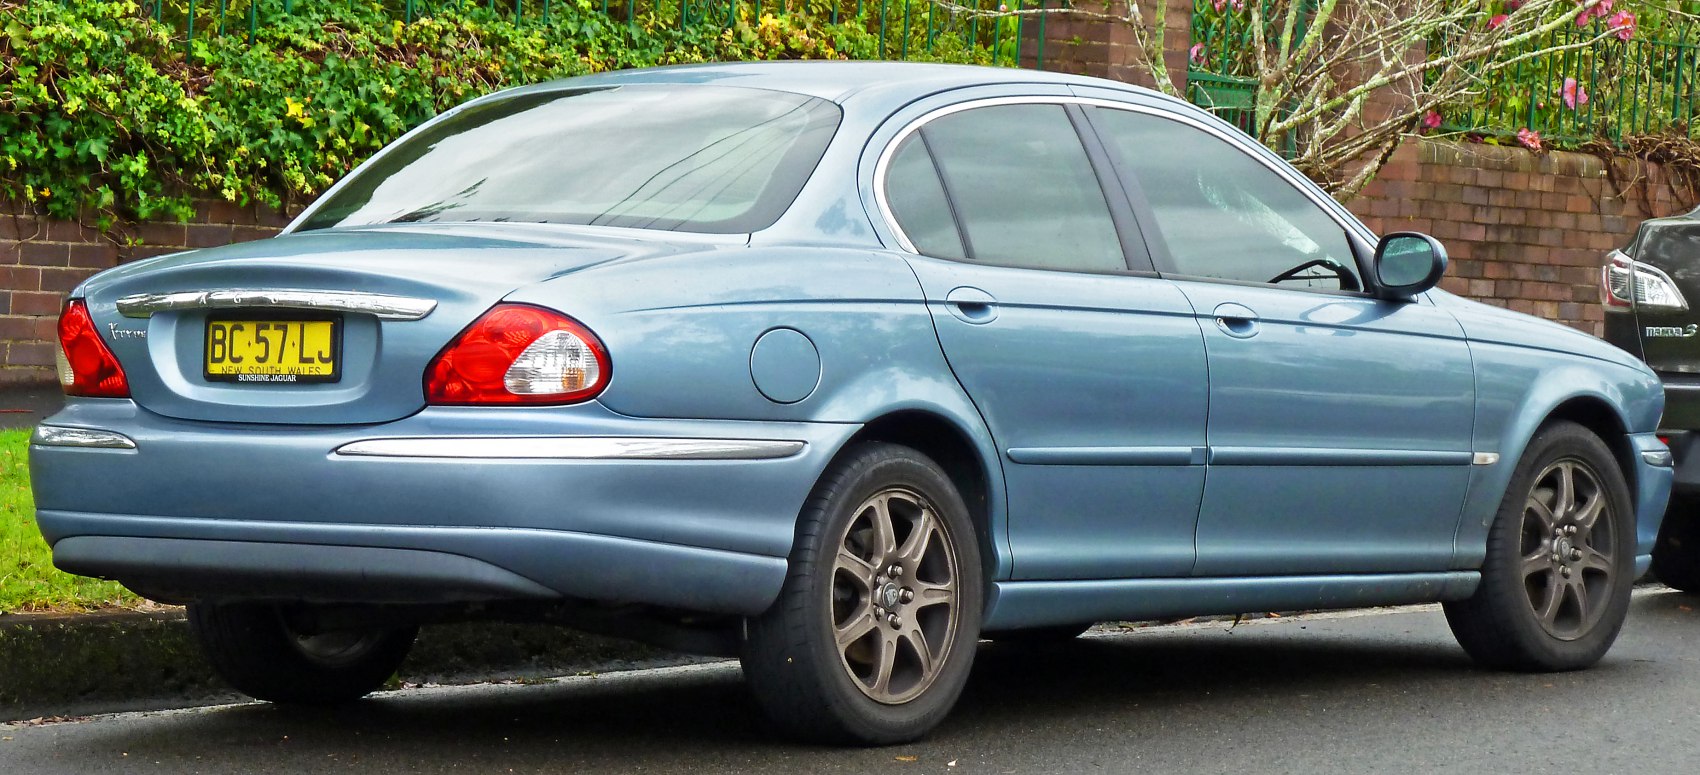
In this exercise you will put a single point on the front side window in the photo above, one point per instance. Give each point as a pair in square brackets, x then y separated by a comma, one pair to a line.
[1222, 213]
[710, 159]
[1018, 183]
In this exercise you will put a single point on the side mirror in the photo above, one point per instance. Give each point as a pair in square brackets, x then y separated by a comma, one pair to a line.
[1408, 263]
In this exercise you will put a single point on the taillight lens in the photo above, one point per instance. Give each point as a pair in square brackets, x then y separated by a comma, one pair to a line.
[519, 354]
[1627, 283]
[86, 366]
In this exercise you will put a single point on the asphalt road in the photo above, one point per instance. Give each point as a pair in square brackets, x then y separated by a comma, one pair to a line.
[1362, 692]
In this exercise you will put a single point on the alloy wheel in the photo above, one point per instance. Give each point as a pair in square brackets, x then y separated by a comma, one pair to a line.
[1568, 542]
[894, 596]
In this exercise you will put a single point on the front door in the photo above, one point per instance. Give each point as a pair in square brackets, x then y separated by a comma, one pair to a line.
[1340, 424]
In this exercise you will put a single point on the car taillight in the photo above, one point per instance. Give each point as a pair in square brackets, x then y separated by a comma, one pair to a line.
[1626, 283]
[519, 354]
[86, 366]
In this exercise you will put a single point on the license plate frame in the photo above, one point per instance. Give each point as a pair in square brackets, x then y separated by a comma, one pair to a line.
[279, 373]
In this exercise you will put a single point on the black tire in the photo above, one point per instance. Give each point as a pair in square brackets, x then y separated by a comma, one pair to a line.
[817, 691]
[1676, 556]
[255, 650]
[1555, 583]
[1039, 635]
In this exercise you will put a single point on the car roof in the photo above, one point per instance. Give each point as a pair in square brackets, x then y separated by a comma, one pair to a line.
[836, 80]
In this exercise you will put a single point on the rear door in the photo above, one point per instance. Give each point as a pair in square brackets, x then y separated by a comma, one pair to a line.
[1088, 370]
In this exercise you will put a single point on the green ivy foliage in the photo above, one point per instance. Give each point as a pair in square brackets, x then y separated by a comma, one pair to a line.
[107, 115]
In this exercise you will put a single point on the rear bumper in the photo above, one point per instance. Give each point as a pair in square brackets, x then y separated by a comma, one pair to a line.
[574, 502]
[1685, 454]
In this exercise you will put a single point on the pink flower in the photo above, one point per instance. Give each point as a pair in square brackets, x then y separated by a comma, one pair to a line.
[1218, 5]
[1431, 121]
[1493, 24]
[1529, 138]
[1196, 54]
[1623, 23]
[1574, 94]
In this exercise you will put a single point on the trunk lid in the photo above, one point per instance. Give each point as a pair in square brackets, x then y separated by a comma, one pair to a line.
[455, 272]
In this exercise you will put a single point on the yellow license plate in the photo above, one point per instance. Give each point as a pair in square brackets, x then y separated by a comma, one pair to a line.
[286, 351]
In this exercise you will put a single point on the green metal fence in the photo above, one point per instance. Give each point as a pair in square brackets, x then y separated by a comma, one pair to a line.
[905, 29]
[1609, 89]
[1222, 63]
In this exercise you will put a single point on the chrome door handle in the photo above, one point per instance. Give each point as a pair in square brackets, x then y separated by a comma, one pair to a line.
[1236, 320]
[972, 305]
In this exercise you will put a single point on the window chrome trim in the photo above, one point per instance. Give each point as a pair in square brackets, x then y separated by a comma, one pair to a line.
[1241, 143]
[383, 306]
[82, 438]
[572, 448]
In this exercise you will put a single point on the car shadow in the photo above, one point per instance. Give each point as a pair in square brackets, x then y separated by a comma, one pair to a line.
[706, 710]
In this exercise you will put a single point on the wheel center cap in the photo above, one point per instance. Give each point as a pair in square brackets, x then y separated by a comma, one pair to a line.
[1561, 547]
[891, 595]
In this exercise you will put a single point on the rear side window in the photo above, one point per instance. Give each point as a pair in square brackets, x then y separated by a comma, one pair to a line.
[917, 201]
[684, 158]
[1019, 184]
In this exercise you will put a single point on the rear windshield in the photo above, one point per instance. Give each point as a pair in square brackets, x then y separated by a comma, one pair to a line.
[684, 158]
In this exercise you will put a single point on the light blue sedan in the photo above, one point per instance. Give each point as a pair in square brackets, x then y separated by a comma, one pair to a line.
[840, 368]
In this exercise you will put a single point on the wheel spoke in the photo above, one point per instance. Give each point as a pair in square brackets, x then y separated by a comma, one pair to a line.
[1547, 611]
[885, 537]
[1596, 560]
[857, 627]
[1564, 500]
[1543, 513]
[1537, 562]
[920, 538]
[887, 660]
[860, 568]
[1589, 513]
[1579, 592]
[928, 593]
[917, 640]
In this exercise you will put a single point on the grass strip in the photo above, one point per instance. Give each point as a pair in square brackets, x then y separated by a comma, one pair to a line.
[28, 580]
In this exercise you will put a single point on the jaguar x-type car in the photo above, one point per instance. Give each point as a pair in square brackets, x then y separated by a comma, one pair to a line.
[841, 368]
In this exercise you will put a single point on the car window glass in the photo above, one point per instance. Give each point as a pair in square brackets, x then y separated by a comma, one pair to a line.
[1224, 214]
[1023, 188]
[697, 158]
[917, 201]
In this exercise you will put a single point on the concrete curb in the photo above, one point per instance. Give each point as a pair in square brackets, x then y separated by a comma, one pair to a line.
[72, 665]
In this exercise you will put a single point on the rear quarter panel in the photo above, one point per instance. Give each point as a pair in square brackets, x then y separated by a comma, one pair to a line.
[680, 332]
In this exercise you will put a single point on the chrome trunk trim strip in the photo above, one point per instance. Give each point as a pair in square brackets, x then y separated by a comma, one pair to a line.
[86, 438]
[572, 448]
[384, 307]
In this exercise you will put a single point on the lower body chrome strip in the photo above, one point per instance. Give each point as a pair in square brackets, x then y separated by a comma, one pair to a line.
[573, 448]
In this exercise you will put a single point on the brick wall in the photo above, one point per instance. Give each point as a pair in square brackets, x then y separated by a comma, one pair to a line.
[1108, 49]
[1525, 231]
[41, 259]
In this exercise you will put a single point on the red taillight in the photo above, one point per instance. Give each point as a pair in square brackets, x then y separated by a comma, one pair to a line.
[86, 366]
[519, 354]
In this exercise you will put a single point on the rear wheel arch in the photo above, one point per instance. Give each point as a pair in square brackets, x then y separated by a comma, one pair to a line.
[952, 447]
